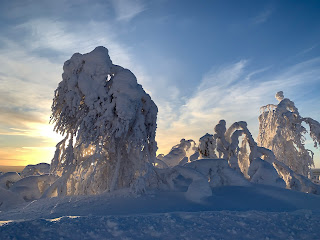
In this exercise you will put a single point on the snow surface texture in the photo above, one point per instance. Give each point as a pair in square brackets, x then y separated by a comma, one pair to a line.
[9, 199]
[199, 225]
[114, 121]
[231, 213]
[281, 131]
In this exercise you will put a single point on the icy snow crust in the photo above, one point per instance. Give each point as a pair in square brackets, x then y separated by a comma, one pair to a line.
[234, 212]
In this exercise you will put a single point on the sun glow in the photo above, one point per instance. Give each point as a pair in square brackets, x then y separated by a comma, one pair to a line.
[42, 150]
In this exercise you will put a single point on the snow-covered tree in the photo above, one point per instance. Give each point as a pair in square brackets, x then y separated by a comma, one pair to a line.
[257, 164]
[207, 145]
[181, 153]
[281, 131]
[225, 143]
[109, 123]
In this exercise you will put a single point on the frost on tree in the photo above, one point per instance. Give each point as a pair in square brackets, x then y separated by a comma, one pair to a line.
[257, 164]
[225, 144]
[179, 154]
[281, 131]
[109, 124]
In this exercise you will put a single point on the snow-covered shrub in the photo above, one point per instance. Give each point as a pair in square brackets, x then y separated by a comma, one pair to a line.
[32, 187]
[218, 172]
[281, 131]
[207, 145]
[38, 169]
[109, 122]
[241, 157]
[225, 144]
[180, 153]
[9, 178]
[262, 172]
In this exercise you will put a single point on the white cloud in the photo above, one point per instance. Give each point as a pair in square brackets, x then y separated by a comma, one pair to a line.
[28, 80]
[127, 9]
[234, 93]
[262, 17]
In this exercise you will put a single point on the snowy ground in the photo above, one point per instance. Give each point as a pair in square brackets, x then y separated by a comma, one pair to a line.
[179, 225]
[231, 213]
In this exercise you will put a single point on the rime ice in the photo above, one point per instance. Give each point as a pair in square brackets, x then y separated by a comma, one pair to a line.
[109, 122]
[281, 131]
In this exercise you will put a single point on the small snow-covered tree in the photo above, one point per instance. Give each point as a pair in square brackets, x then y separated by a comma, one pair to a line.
[207, 145]
[225, 143]
[181, 153]
[281, 131]
[109, 123]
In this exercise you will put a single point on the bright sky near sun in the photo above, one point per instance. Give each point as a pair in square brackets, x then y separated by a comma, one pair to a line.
[201, 61]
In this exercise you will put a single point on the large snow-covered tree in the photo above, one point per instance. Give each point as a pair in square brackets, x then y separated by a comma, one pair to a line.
[109, 124]
[281, 130]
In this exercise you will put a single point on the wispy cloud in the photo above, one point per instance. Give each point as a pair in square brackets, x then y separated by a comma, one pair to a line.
[307, 50]
[128, 9]
[235, 93]
[262, 17]
[31, 70]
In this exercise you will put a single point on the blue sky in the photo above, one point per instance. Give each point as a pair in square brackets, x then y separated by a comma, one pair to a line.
[201, 61]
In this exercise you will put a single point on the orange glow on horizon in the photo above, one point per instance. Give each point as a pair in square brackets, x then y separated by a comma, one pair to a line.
[25, 155]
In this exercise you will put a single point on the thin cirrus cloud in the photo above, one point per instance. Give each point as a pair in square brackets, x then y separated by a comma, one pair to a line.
[128, 9]
[28, 78]
[262, 17]
[234, 93]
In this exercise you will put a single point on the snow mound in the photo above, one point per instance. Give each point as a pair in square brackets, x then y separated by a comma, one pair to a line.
[38, 169]
[199, 187]
[218, 172]
[7, 179]
[262, 172]
[32, 187]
